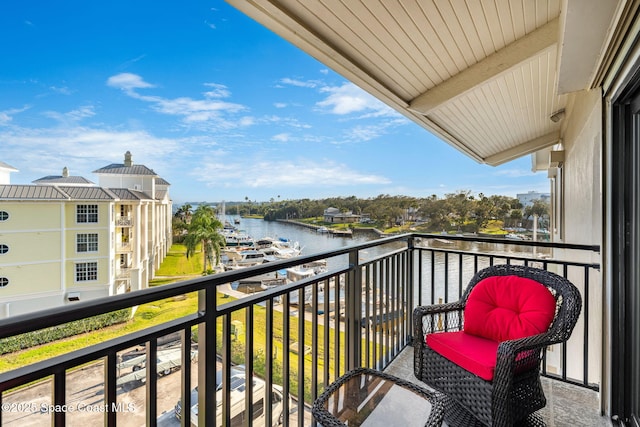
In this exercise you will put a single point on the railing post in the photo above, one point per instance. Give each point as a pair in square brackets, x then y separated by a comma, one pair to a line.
[207, 358]
[410, 287]
[353, 312]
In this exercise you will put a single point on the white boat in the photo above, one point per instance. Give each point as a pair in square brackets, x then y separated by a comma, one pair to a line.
[237, 258]
[322, 229]
[275, 249]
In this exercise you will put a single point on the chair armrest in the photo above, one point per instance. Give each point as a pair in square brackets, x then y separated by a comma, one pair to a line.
[428, 319]
[517, 357]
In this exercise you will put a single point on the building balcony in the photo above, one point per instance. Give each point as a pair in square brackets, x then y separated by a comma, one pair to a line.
[294, 339]
[124, 221]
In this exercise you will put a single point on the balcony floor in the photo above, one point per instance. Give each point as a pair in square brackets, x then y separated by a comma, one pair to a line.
[567, 405]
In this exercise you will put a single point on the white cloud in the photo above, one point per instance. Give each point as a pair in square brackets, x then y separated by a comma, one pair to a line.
[349, 98]
[513, 173]
[281, 137]
[84, 149]
[279, 104]
[217, 91]
[6, 116]
[280, 174]
[192, 110]
[128, 82]
[73, 115]
[298, 83]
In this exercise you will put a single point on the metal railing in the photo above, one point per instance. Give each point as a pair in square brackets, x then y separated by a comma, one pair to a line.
[293, 339]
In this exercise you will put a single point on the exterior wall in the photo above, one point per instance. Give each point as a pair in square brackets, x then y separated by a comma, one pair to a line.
[40, 264]
[145, 183]
[580, 191]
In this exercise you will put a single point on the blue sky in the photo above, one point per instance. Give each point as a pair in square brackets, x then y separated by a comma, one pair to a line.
[216, 104]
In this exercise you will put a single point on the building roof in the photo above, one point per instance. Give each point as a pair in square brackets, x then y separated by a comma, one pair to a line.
[31, 192]
[88, 193]
[126, 194]
[162, 181]
[121, 169]
[59, 179]
[4, 165]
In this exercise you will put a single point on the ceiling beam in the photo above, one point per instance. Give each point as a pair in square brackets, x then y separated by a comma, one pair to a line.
[493, 65]
[523, 149]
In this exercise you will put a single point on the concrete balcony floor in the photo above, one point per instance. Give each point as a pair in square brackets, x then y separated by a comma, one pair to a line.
[567, 405]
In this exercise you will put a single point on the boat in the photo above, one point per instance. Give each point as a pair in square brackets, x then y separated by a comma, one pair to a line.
[322, 229]
[275, 249]
[238, 258]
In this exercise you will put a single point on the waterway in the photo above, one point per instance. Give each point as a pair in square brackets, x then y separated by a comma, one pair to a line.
[459, 270]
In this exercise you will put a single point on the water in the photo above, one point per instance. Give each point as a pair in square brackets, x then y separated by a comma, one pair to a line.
[459, 270]
[310, 241]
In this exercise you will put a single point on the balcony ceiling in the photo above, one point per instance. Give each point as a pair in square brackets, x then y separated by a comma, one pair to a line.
[482, 75]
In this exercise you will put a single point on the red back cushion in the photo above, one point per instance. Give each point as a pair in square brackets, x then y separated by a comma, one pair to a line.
[504, 308]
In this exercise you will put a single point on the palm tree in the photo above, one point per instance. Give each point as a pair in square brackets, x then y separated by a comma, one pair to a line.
[204, 230]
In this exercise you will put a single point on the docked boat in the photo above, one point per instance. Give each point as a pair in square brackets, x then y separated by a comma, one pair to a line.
[238, 258]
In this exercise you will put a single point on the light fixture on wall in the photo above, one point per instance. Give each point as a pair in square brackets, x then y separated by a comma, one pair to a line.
[557, 116]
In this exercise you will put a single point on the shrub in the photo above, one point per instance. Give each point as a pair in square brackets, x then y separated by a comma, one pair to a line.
[47, 335]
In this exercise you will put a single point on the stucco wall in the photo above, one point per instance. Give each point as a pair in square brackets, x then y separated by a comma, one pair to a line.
[582, 141]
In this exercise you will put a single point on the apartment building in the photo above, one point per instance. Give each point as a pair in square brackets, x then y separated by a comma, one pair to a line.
[65, 239]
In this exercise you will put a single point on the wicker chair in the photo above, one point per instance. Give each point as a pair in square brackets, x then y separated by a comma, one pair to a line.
[515, 390]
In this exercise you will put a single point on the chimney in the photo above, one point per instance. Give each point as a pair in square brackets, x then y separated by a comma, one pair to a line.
[127, 159]
[65, 172]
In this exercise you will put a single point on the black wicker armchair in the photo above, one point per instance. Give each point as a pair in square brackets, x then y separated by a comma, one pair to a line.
[506, 390]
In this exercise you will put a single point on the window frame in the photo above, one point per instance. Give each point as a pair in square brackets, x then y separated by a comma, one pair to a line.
[87, 214]
[4, 282]
[89, 274]
[87, 243]
[4, 216]
[4, 245]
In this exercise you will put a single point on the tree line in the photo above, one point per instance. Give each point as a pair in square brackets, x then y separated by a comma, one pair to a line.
[461, 211]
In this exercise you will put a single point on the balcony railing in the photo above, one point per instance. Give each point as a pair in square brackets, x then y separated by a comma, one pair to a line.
[124, 221]
[293, 339]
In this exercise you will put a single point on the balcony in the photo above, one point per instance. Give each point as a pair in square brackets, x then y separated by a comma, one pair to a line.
[290, 338]
[124, 221]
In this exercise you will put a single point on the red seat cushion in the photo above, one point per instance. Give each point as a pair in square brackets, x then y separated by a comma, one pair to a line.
[475, 354]
[502, 308]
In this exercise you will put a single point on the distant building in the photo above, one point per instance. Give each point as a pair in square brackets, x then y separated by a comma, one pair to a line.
[335, 216]
[65, 239]
[526, 199]
[5, 173]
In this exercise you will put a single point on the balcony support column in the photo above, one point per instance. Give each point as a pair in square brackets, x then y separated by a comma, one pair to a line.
[207, 358]
[410, 287]
[353, 312]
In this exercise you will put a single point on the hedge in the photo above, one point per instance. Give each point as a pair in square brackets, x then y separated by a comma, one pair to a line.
[47, 335]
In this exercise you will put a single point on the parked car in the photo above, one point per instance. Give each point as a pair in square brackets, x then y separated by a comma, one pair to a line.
[238, 414]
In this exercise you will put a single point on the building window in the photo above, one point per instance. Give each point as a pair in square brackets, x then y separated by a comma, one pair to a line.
[87, 242]
[87, 213]
[3, 282]
[4, 249]
[86, 271]
[4, 215]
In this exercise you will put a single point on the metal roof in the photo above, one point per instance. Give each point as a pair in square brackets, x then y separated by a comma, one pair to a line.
[483, 75]
[4, 165]
[59, 179]
[121, 169]
[31, 192]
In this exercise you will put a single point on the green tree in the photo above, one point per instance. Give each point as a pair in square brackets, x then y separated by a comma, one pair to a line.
[204, 229]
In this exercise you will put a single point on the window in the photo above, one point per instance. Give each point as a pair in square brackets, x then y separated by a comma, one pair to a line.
[87, 213]
[4, 215]
[87, 242]
[4, 249]
[86, 271]
[3, 282]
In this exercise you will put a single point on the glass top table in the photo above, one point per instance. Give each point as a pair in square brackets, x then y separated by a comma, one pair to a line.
[366, 397]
